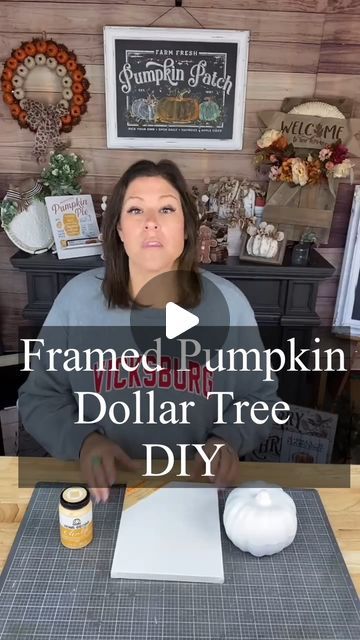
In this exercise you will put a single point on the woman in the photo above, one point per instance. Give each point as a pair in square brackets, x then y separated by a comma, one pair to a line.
[150, 250]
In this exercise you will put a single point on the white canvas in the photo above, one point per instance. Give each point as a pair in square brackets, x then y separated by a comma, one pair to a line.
[172, 535]
[344, 321]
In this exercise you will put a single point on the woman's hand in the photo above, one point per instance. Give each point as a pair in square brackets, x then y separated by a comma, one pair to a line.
[98, 457]
[224, 466]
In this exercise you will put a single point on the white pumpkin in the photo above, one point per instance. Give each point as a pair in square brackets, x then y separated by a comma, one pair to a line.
[264, 247]
[249, 245]
[255, 249]
[260, 519]
[269, 229]
[273, 248]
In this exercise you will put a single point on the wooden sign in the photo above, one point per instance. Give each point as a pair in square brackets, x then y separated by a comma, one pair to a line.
[314, 132]
[294, 209]
[178, 88]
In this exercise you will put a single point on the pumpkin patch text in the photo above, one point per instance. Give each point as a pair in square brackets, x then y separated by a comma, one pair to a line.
[166, 71]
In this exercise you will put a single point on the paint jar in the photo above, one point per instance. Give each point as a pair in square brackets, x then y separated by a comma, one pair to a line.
[76, 517]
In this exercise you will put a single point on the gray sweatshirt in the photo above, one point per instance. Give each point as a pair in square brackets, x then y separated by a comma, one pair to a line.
[60, 407]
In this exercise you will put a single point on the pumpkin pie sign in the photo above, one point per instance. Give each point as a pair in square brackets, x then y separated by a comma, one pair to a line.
[178, 88]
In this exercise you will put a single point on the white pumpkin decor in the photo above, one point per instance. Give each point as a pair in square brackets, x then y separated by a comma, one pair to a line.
[260, 519]
[264, 240]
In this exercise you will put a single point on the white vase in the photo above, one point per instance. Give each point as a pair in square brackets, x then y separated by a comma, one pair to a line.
[233, 241]
[30, 230]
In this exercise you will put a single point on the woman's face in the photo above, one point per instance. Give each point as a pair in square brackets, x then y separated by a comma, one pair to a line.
[151, 225]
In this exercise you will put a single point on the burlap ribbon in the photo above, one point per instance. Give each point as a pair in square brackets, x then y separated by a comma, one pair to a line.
[45, 120]
[24, 193]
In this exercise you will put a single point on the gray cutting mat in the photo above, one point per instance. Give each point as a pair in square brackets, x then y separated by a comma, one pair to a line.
[50, 592]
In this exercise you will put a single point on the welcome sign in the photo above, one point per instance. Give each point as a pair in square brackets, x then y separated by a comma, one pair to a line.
[314, 132]
[183, 88]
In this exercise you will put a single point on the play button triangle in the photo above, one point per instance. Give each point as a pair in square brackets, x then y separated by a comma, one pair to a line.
[178, 320]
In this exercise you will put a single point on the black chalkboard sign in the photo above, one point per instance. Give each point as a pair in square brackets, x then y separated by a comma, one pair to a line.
[175, 89]
[185, 86]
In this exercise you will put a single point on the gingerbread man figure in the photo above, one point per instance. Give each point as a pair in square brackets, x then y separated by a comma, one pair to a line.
[206, 242]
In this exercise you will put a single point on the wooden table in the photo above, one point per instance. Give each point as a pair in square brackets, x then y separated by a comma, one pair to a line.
[342, 505]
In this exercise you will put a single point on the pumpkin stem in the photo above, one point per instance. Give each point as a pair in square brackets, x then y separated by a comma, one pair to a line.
[263, 498]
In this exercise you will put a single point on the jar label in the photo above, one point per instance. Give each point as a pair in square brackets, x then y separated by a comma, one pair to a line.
[76, 532]
[75, 522]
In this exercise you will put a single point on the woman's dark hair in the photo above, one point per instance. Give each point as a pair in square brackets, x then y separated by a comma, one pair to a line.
[116, 282]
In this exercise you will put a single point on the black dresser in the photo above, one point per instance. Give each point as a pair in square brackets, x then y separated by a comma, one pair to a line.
[280, 295]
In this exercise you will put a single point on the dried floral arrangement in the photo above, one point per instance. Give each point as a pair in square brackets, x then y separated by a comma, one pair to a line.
[228, 199]
[277, 158]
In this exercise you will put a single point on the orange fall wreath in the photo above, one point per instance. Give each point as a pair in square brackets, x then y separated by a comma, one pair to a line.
[47, 121]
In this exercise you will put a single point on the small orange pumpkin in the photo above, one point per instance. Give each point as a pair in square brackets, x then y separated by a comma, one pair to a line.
[66, 119]
[77, 87]
[77, 76]
[20, 54]
[71, 65]
[15, 110]
[62, 56]
[6, 86]
[23, 119]
[12, 63]
[75, 111]
[51, 49]
[30, 49]
[41, 46]
[8, 98]
[78, 99]
[7, 74]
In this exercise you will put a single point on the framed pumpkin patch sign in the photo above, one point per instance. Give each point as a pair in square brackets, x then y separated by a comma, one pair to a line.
[175, 88]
